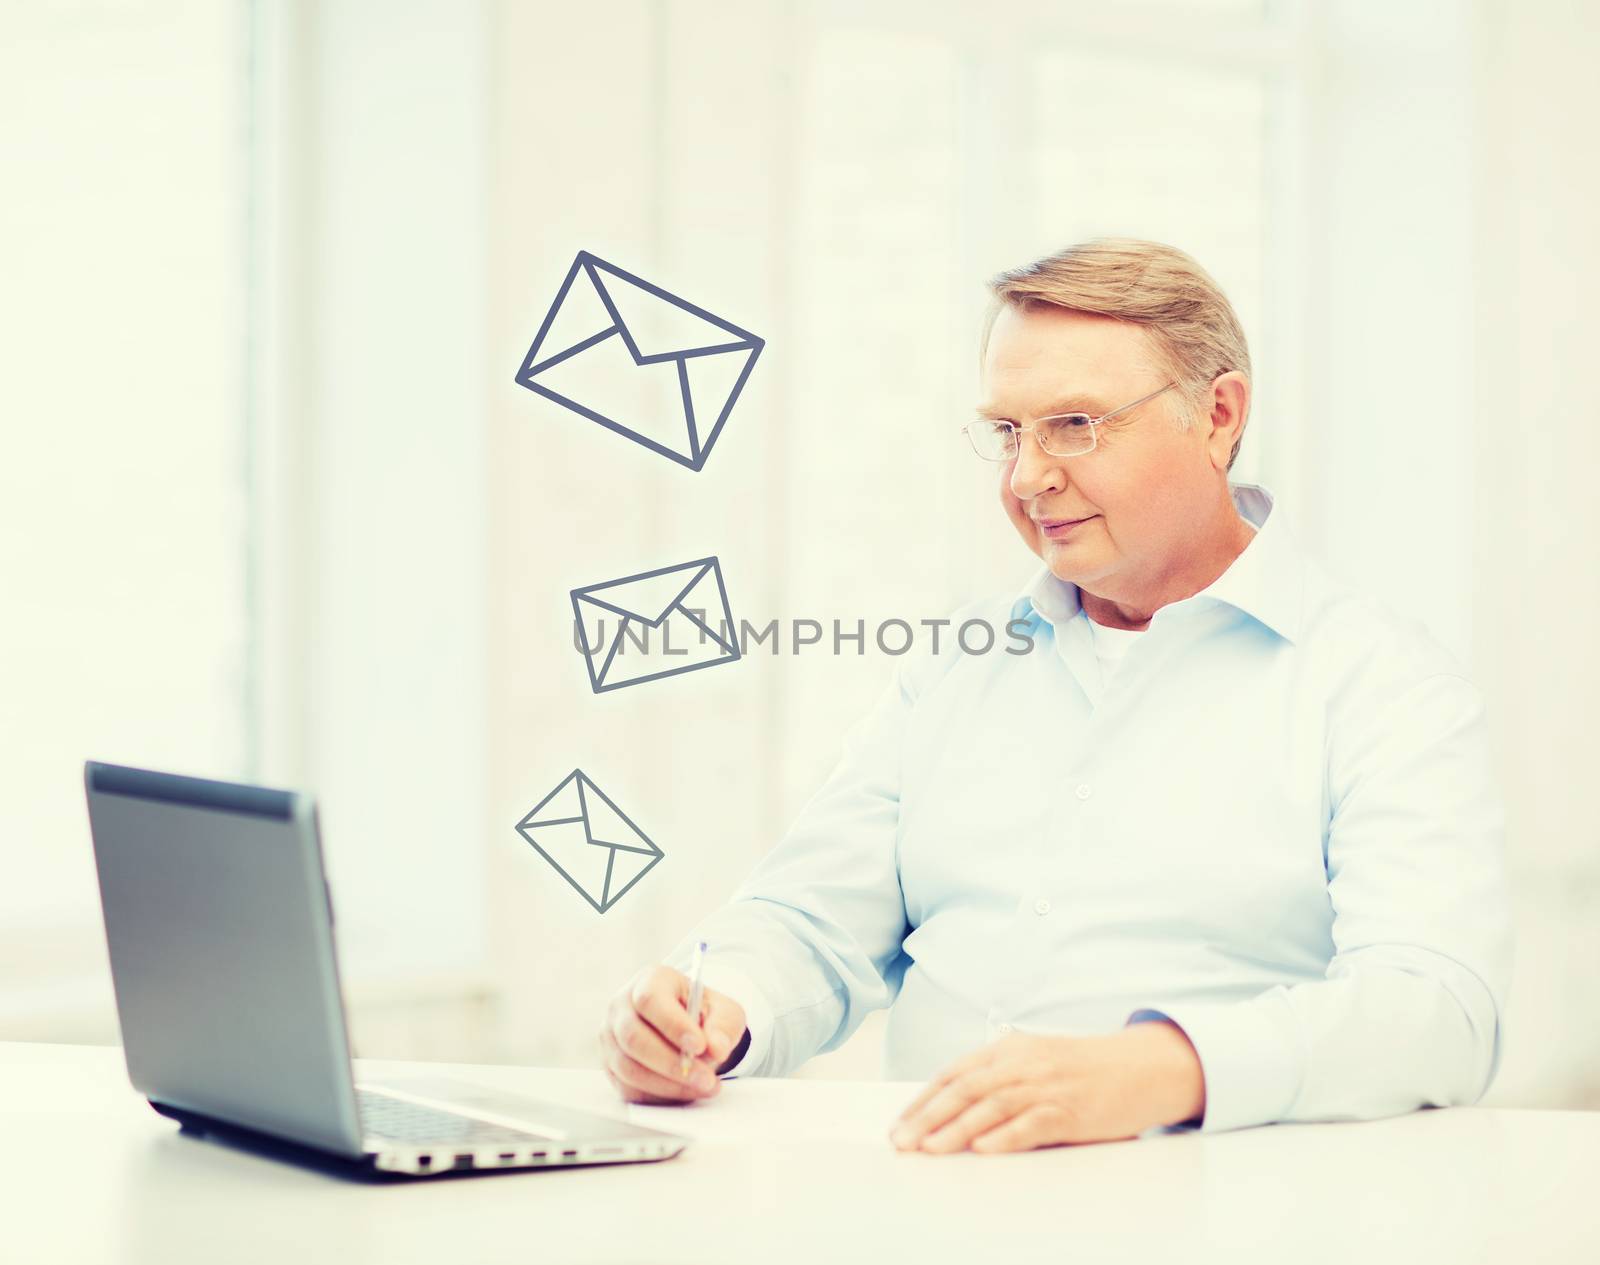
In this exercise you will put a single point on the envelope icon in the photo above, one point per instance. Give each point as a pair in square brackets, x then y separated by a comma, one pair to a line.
[639, 361]
[655, 624]
[590, 841]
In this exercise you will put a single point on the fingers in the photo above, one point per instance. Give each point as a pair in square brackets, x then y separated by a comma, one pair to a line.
[639, 1083]
[963, 1065]
[944, 1105]
[629, 1094]
[641, 1046]
[982, 1117]
[724, 1025]
[660, 997]
[1037, 1126]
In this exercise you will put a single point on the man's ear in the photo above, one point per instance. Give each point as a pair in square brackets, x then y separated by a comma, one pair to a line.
[1227, 411]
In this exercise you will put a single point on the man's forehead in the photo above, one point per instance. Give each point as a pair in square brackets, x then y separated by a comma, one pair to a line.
[1035, 403]
[1042, 360]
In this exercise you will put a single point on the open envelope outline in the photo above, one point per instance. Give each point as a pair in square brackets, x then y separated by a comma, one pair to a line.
[654, 625]
[589, 841]
[639, 361]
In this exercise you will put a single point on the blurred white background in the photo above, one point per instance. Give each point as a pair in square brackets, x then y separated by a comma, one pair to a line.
[271, 506]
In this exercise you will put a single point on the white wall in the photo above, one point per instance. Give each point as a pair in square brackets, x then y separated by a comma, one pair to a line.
[1387, 459]
[124, 624]
[1536, 545]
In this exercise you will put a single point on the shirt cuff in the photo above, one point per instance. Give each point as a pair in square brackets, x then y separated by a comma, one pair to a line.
[757, 1014]
[1250, 1060]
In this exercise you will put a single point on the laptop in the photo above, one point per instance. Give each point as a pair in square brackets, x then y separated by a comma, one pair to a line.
[220, 930]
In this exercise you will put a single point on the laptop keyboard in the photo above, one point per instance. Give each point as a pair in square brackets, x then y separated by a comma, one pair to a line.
[396, 1120]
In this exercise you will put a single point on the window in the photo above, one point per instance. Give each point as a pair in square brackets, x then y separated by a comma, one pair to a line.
[123, 494]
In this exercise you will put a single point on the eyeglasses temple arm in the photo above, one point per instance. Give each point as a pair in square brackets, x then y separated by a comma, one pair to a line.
[1136, 403]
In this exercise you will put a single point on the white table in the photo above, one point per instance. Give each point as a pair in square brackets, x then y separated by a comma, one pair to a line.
[792, 1171]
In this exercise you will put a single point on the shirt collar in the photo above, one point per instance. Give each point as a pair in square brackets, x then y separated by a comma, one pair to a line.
[1264, 581]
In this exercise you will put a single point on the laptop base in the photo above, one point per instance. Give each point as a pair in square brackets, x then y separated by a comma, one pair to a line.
[366, 1168]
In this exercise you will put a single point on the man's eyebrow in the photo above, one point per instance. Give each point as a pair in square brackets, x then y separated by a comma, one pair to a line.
[1067, 404]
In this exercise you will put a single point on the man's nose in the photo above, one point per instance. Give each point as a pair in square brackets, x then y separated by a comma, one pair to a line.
[1035, 471]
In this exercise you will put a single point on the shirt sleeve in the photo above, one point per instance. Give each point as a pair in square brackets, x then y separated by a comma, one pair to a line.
[810, 944]
[1409, 1013]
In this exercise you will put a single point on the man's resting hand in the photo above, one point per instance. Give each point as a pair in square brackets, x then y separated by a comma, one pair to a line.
[1027, 1091]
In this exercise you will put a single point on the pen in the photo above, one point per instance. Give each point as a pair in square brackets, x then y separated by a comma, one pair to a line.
[697, 989]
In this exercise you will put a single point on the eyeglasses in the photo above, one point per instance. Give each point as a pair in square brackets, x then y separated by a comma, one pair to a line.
[1062, 435]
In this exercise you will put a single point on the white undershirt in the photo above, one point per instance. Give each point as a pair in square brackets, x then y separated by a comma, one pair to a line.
[1110, 644]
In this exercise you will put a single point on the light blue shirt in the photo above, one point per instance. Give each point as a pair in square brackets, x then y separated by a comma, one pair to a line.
[1276, 824]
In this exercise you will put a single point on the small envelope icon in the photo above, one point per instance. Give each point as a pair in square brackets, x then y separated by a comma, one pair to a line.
[639, 361]
[655, 624]
[589, 840]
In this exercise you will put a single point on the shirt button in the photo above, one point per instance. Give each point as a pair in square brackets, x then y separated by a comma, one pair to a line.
[1041, 906]
[1083, 791]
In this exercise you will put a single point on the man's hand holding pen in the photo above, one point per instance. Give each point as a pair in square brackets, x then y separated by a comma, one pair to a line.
[649, 1029]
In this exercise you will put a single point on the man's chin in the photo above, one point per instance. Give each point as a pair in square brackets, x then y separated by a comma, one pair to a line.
[1071, 567]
